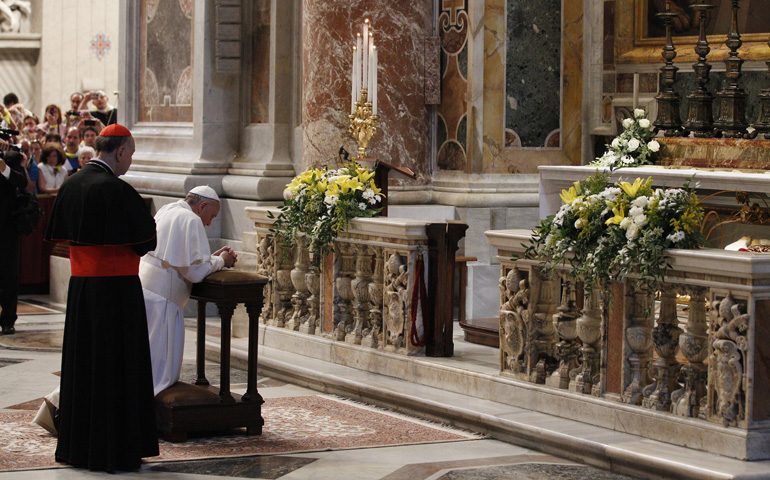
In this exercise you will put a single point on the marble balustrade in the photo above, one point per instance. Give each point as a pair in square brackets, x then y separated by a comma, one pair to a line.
[701, 350]
[361, 293]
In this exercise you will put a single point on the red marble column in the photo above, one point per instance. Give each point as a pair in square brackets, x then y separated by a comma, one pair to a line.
[400, 29]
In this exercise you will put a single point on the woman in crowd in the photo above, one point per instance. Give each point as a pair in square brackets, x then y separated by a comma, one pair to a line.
[53, 121]
[52, 175]
[85, 154]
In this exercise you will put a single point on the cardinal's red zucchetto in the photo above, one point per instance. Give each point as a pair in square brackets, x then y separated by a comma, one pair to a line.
[115, 130]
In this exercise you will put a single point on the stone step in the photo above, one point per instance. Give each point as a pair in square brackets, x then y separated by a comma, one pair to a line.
[602, 447]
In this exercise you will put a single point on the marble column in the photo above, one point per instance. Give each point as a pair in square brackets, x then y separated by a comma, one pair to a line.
[400, 29]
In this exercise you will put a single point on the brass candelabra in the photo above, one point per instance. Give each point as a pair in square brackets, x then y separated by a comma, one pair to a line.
[363, 124]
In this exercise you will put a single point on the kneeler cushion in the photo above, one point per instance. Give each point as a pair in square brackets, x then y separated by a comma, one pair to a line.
[183, 394]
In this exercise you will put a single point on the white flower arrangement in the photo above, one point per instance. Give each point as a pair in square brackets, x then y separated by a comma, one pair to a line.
[319, 203]
[606, 231]
[632, 148]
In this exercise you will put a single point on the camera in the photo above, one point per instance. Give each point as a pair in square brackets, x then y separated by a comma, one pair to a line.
[6, 134]
[73, 113]
[52, 111]
[95, 94]
[89, 122]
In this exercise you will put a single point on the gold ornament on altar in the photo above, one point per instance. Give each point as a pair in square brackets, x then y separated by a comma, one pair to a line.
[363, 98]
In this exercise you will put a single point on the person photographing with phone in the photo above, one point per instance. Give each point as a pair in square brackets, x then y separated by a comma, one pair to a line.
[100, 107]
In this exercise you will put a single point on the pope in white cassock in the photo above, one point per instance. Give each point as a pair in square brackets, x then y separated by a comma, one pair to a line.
[182, 257]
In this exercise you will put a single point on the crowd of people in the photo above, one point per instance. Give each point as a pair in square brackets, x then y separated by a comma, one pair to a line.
[57, 144]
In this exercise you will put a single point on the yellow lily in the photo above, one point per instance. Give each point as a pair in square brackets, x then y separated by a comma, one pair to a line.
[376, 190]
[295, 184]
[322, 186]
[333, 189]
[307, 176]
[364, 175]
[569, 196]
[619, 216]
[632, 190]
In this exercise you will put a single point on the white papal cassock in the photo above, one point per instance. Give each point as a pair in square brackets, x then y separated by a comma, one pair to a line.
[182, 257]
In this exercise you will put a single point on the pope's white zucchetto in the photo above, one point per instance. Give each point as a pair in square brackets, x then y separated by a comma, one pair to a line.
[206, 192]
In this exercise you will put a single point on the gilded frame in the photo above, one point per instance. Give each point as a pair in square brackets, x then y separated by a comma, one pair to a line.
[634, 46]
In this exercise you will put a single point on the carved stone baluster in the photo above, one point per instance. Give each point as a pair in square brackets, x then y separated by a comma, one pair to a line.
[694, 345]
[541, 331]
[284, 287]
[313, 282]
[360, 286]
[665, 368]
[639, 341]
[298, 299]
[394, 302]
[565, 323]
[589, 327]
[372, 334]
[266, 267]
[514, 316]
[727, 363]
[344, 293]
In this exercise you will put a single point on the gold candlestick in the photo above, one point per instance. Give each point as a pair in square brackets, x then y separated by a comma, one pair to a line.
[363, 124]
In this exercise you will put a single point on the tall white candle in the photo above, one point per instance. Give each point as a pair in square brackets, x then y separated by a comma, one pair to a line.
[359, 44]
[353, 83]
[371, 71]
[365, 58]
[374, 81]
[636, 90]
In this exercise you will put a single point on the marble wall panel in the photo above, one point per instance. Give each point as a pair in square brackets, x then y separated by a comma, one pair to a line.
[260, 62]
[453, 111]
[329, 29]
[165, 65]
[608, 45]
[533, 70]
[504, 150]
[494, 89]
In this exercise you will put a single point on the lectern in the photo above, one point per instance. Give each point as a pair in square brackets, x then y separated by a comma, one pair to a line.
[201, 407]
[383, 171]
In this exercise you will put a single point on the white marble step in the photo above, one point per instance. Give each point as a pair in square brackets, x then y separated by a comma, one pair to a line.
[619, 452]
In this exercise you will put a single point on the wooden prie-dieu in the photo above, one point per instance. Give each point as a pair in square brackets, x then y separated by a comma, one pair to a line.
[201, 407]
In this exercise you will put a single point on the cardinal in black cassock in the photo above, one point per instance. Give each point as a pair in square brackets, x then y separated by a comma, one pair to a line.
[107, 416]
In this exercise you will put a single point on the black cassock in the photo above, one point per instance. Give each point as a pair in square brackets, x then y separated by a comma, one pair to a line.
[107, 416]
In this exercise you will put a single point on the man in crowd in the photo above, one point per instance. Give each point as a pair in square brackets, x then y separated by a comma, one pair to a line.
[88, 136]
[16, 109]
[107, 415]
[100, 107]
[71, 146]
[73, 115]
[12, 179]
[181, 258]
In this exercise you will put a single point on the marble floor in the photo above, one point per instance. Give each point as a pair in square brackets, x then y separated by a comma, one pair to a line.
[29, 360]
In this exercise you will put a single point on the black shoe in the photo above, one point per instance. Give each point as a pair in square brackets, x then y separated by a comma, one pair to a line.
[9, 330]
